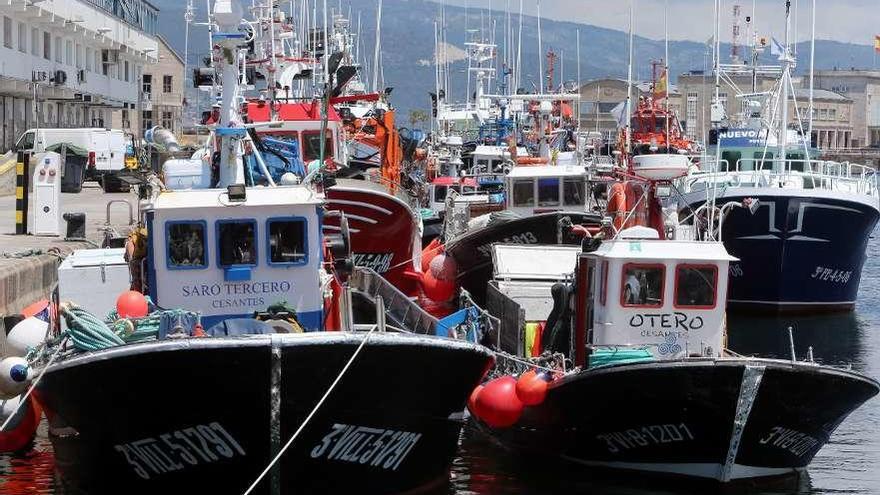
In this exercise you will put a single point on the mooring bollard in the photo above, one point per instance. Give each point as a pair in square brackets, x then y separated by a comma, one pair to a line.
[22, 191]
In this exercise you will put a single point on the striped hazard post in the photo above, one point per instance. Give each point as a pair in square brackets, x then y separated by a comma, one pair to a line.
[22, 190]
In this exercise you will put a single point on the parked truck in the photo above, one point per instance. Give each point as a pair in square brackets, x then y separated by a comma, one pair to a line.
[90, 154]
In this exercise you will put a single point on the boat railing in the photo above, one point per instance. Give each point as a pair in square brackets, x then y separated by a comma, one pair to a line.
[787, 174]
[398, 307]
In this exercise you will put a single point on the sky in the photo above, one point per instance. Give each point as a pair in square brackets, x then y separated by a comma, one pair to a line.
[854, 21]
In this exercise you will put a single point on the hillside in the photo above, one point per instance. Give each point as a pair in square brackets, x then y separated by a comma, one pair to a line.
[408, 43]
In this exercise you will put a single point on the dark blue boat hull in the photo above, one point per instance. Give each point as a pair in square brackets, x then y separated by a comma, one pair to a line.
[797, 253]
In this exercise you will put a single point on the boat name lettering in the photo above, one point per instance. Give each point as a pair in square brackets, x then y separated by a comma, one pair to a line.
[645, 436]
[677, 320]
[826, 274]
[235, 288]
[525, 238]
[378, 262]
[735, 270]
[376, 447]
[177, 450]
[796, 442]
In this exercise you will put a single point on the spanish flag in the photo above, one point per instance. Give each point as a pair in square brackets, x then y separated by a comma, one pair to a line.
[660, 86]
[877, 43]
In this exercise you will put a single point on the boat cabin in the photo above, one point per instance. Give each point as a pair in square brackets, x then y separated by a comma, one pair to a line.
[228, 253]
[439, 189]
[546, 188]
[300, 123]
[491, 159]
[636, 295]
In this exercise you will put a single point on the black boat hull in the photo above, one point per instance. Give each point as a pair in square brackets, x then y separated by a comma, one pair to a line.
[197, 415]
[681, 417]
[473, 250]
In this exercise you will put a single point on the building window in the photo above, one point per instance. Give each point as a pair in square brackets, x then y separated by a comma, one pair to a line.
[823, 114]
[79, 56]
[68, 52]
[125, 72]
[832, 113]
[47, 45]
[147, 116]
[22, 37]
[167, 121]
[90, 59]
[7, 32]
[147, 86]
[58, 50]
[126, 123]
[166, 84]
[35, 42]
[642, 285]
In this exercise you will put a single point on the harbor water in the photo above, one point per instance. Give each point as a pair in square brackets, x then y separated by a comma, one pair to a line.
[847, 464]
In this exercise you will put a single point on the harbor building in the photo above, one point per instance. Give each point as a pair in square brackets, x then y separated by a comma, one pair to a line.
[66, 63]
[599, 97]
[162, 94]
[862, 87]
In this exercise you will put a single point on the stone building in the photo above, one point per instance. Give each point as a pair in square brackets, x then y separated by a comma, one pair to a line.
[162, 93]
[71, 63]
[862, 87]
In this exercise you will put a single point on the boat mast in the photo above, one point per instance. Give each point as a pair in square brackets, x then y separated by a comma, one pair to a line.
[629, 82]
[540, 54]
[518, 50]
[783, 93]
[377, 51]
[666, 67]
[812, 67]
[228, 15]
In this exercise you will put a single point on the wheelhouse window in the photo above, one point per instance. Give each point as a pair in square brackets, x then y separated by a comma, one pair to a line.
[696, 286]
[642, 285]
[524, 193]
[237, 241]
[312, 145]
[186, 245]
[288, 241]
[573, 192]
[440, 193]
[548, 192]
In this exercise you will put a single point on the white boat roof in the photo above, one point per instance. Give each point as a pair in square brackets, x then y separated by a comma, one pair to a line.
[547, 171]
[534, 262]
[497, 151]
[256, 196]
[655, 249]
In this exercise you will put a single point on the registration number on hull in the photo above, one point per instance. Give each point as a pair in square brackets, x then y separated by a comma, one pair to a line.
[376, 447]
[177, 450]
[645, 436]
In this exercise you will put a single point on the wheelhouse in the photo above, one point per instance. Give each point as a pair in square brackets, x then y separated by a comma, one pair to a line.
[542, 189]
[439, 189]
[207, 253]
[300, 123]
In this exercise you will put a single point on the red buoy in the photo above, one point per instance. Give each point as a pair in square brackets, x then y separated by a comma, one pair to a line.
[531, 388]
[497, 403]
[472, 400]
[429, 252]
[131, 304]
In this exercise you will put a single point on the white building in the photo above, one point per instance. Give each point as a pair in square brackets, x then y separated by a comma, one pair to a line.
[83, 59]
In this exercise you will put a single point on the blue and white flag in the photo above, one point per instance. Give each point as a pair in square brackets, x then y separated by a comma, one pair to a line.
[619, 114]
[776, 48]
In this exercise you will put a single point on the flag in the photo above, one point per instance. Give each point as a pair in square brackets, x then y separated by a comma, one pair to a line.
[660, 86]
[619, 113]
[776, 48]
[877, 43]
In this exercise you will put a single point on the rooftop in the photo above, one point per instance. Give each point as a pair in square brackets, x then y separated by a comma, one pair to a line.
[256, 196]
[547, 171]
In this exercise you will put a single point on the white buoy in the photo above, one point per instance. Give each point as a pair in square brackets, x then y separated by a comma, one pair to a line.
[26, 335]
[14, 377]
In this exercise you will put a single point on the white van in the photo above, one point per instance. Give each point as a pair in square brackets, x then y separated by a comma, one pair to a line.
[104, 154]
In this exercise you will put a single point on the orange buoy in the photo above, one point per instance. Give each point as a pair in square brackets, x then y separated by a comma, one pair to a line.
[429, 252]
[436, 289]
[497, 403]
[531, 388]
[131, 304]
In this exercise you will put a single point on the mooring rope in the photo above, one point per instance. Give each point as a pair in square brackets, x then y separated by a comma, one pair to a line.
[311, 414]
[34, 384]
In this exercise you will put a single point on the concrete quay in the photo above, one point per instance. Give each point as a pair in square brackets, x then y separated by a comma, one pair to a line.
[25, 276]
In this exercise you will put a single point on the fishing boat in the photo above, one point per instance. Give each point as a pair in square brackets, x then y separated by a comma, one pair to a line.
[632, 371]
[806, 251]
[284, 369]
